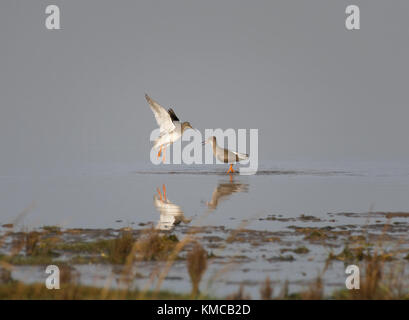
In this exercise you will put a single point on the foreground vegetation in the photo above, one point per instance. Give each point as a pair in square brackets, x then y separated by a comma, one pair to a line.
[382, 274]
[19, 291]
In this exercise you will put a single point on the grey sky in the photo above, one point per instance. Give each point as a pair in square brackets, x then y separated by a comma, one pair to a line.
[289, 68]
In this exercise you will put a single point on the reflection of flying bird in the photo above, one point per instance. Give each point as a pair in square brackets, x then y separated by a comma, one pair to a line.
[171, 129]
[223, 191]
[170, 214]
[225, 155]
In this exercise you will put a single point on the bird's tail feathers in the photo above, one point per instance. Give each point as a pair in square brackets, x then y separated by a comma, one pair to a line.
[241, 156]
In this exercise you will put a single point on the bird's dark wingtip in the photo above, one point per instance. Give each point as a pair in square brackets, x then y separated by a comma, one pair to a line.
[172, 115]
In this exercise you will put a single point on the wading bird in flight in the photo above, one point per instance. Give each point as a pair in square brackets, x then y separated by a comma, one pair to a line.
[225, 155]
[171, 129]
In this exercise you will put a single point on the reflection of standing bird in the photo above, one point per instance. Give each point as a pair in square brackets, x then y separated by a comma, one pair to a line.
[170, 214]
[225, 155]
[171, 129]
[223, 191]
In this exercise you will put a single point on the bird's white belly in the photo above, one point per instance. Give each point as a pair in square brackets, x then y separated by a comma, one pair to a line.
[168, 139]
[231, 157]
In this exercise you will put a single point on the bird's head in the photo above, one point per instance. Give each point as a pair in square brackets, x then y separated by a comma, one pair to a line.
[186, 125]
[211, 139]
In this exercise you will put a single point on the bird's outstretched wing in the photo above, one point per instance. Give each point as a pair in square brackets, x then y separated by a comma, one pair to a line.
[173, 115]
[163, 117]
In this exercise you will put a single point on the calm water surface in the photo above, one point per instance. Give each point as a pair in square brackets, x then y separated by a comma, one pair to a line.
[129, 196]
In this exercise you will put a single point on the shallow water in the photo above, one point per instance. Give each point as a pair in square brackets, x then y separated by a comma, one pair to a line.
[132, 196]
[100, 198]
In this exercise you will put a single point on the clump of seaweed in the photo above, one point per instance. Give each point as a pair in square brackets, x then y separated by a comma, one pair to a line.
[315, 290]
[282, 258]
[32, 240]
[52, 229]
[378, 282]
[360, 252]
[154, 246]
[5, 275]
[196, 266]
[349, 254]
[239, 295]
[266, 291]
[316, 235]
[120, 248]
[299, 250]
[38, 291]
[68, 275]
[37, 249]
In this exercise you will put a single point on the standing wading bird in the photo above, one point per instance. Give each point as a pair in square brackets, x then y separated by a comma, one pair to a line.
[171, 129]
[225, 155]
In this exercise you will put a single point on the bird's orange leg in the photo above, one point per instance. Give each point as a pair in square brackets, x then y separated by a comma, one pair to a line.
[160, 195]
[164, 192]
[231, 178]
[160, 152]
[164, 155]
[230, 169]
